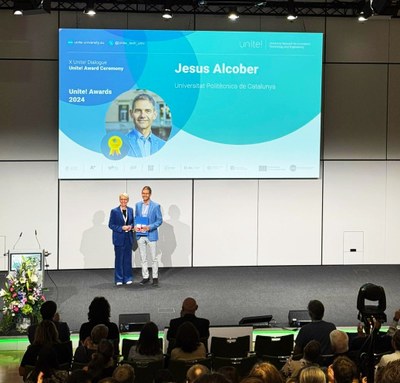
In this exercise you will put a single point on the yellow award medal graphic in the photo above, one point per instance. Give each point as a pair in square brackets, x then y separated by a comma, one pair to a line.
[115, 144]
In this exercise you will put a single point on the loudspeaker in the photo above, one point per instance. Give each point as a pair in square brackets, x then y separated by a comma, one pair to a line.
[257, 321]
[132, 322]
[298, 318]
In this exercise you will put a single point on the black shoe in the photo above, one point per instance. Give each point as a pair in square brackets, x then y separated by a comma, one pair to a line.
[155, 282]
[144, 281]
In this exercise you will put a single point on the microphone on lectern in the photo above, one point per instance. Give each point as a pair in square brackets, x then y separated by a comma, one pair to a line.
[37, 240]
[15, 244]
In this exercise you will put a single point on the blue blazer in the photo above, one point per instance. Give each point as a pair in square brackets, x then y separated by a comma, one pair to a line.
[155, 218]
[115, 224]
[134, 150]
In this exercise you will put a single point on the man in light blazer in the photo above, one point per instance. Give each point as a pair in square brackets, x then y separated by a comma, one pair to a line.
[121, 223]
[148, 218]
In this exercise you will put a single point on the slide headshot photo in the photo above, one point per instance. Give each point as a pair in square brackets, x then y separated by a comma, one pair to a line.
[144, 118]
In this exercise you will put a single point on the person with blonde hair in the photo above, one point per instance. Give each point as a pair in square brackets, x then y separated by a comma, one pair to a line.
[121, 223]
[195, 372]
[267, 372]
[312, 375]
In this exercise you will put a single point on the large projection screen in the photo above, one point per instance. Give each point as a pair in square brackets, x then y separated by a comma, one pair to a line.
[230, 105]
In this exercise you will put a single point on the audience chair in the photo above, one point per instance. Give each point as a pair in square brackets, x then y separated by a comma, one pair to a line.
[146, 370]
[274, 349]
[179, 368]
[126, 346]
[230, 347]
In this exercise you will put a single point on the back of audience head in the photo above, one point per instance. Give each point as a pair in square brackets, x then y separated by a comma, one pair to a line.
[195, 372]
[107, 380]
[189, 306]
[101, 359]
[339, 341]
[99, 332]
[312, 351]
[187, 337]
[251, 379]
[214, 377]
[148, 343]
[344, 370]
[230, 373]
[267, 372]
[316, 310]
[48, 309]
[391, 373]
[79, 376]
[46, 333]
[124, 374]
[99, 310]
[396, 340]
[312, 375]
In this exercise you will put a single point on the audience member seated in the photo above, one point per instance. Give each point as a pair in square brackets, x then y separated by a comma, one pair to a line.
[79, 376]
[47, 368]
[48, 311]
[230, 373]
[99, 313]
[343, 370]
[318, 330]
[251, 379]
[360, 343]
[312, 375]
[102, 364]
[212, 378]
[46, 335]
[195, 372]
[393, 356]
[148, 346]
[390, 373]
[311, 355]
[188, 345]
[267, 372]
[84, 352]
[188, 314]
[340, 347]
[124, 374]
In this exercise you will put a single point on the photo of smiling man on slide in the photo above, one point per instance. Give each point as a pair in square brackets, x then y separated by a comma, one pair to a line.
[143, 142]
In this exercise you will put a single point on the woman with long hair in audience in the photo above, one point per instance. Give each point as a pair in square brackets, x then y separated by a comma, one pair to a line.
[46, 335]
[148, 346]
[312, 375]
[187, 344]
[267, 372]
[47, 368]
[99, 313]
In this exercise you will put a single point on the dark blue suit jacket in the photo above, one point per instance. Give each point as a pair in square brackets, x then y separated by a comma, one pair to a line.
[115, 224]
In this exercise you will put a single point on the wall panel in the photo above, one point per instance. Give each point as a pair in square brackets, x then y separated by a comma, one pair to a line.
[29, 104]
[393, 139]
[354, 202]
[355, 115]
[28, 202]
[225, 223]
[289, 222]
[350, 41]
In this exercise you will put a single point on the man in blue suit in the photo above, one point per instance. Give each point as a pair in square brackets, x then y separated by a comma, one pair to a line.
[143, 142]
[148, 218]
[121, 223]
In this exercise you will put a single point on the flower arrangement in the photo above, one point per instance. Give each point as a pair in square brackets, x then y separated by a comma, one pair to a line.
[22, 295]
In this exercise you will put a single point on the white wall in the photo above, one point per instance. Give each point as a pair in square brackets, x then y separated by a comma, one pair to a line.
[211, 222]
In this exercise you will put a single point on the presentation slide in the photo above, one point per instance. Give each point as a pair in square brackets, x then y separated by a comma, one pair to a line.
[189, 104]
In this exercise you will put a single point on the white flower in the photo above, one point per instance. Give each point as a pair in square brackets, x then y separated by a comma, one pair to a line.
[34, 278]
[2, 293]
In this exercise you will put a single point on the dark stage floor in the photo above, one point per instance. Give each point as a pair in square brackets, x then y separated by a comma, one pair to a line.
[224, 294]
